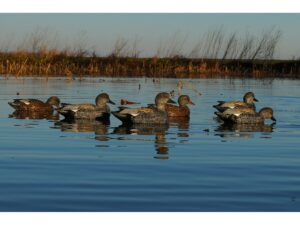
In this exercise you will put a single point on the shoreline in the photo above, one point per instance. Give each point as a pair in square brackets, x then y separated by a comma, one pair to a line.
[16, 65]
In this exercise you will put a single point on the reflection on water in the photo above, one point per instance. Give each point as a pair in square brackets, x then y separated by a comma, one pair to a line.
[93, 166]
[161, 146]
[98, 127]
[182, 124]
[34, 115]
[159, 130]
[247, 128]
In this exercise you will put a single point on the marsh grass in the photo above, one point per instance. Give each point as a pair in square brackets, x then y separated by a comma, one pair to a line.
[216, 54]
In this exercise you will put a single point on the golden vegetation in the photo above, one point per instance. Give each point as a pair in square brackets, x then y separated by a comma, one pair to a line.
[214, 55]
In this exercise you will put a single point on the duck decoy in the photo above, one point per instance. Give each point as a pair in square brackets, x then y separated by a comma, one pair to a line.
[154, 114]
[246, 115]
[98, 111]
[37, 105]
[127, 102]
[182, 110]
[248, 101]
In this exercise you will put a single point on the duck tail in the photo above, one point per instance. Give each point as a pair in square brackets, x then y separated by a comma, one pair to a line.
[13, 104]
[217, 114]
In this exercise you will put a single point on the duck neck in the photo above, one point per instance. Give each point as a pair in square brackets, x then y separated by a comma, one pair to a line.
[101, 104]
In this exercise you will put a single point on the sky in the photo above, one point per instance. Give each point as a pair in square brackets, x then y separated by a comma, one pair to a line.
[100, 31]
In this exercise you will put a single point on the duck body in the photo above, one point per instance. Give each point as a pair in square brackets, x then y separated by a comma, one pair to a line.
[246, 116]
[35, 105]
[143, 115]
[177, 111]
[182, 110]
[248, 102]
[84, 111]
[87, 111]
[153, 114]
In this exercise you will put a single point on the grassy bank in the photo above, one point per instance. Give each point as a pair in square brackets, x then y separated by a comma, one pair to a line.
[12, 64]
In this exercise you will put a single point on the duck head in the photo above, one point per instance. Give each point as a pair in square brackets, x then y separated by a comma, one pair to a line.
[102, 99]
[53, 101]
[249, 98]
[183, 100]
[267, 113]
[162, 99]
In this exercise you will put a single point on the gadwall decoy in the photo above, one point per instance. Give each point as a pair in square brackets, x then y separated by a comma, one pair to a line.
[246, 115]
[182, 110]
[88, 111]
[154, 114]
[248, 101]
[35, 104]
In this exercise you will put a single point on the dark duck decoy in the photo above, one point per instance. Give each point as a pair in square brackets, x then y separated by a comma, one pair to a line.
[98, 111]
[35, 105]
[246, 115]
[153, 114]
[182, 110]
[248, 101]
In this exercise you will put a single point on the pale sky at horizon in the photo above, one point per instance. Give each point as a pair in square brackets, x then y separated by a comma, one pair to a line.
[100, 31]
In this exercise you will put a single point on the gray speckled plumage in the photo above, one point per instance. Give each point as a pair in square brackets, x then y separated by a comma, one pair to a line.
[100, 111]
[248, 117]
[155, 117]
[248, 101]
[154, 114]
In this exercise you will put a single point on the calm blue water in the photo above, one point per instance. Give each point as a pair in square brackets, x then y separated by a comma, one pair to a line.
[47, 165]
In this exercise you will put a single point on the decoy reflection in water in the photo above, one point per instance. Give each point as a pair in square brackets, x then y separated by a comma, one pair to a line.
[34, 115]
[182, 110]
[182, 123]
[159, 130]
[244, 127]
[98, 111]
[154, 114]
[243, 130]
[98, 127]
[35, 105]
[248, 101]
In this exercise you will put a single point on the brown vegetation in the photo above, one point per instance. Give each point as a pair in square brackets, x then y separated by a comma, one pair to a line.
[215, 55]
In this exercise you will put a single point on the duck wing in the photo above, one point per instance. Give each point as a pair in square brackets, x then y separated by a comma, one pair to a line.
[29, 104]
[177, 111]
[127, 115]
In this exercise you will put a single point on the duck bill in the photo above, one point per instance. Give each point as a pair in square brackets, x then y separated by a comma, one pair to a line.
[192, 103]
[255, 100]
[171, 101]
[111, 102]
[272, 118]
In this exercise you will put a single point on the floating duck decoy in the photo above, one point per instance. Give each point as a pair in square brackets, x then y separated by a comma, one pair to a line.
[127, 102]
[248, 101]
[182, 110]
[98, 111]
[246, 115]
[154, 114]
[35, 104]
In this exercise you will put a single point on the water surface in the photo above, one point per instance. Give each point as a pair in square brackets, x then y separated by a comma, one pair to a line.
[51, 165]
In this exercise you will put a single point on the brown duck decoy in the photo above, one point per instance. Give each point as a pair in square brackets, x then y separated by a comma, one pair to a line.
[37, 105]
[182, 110]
